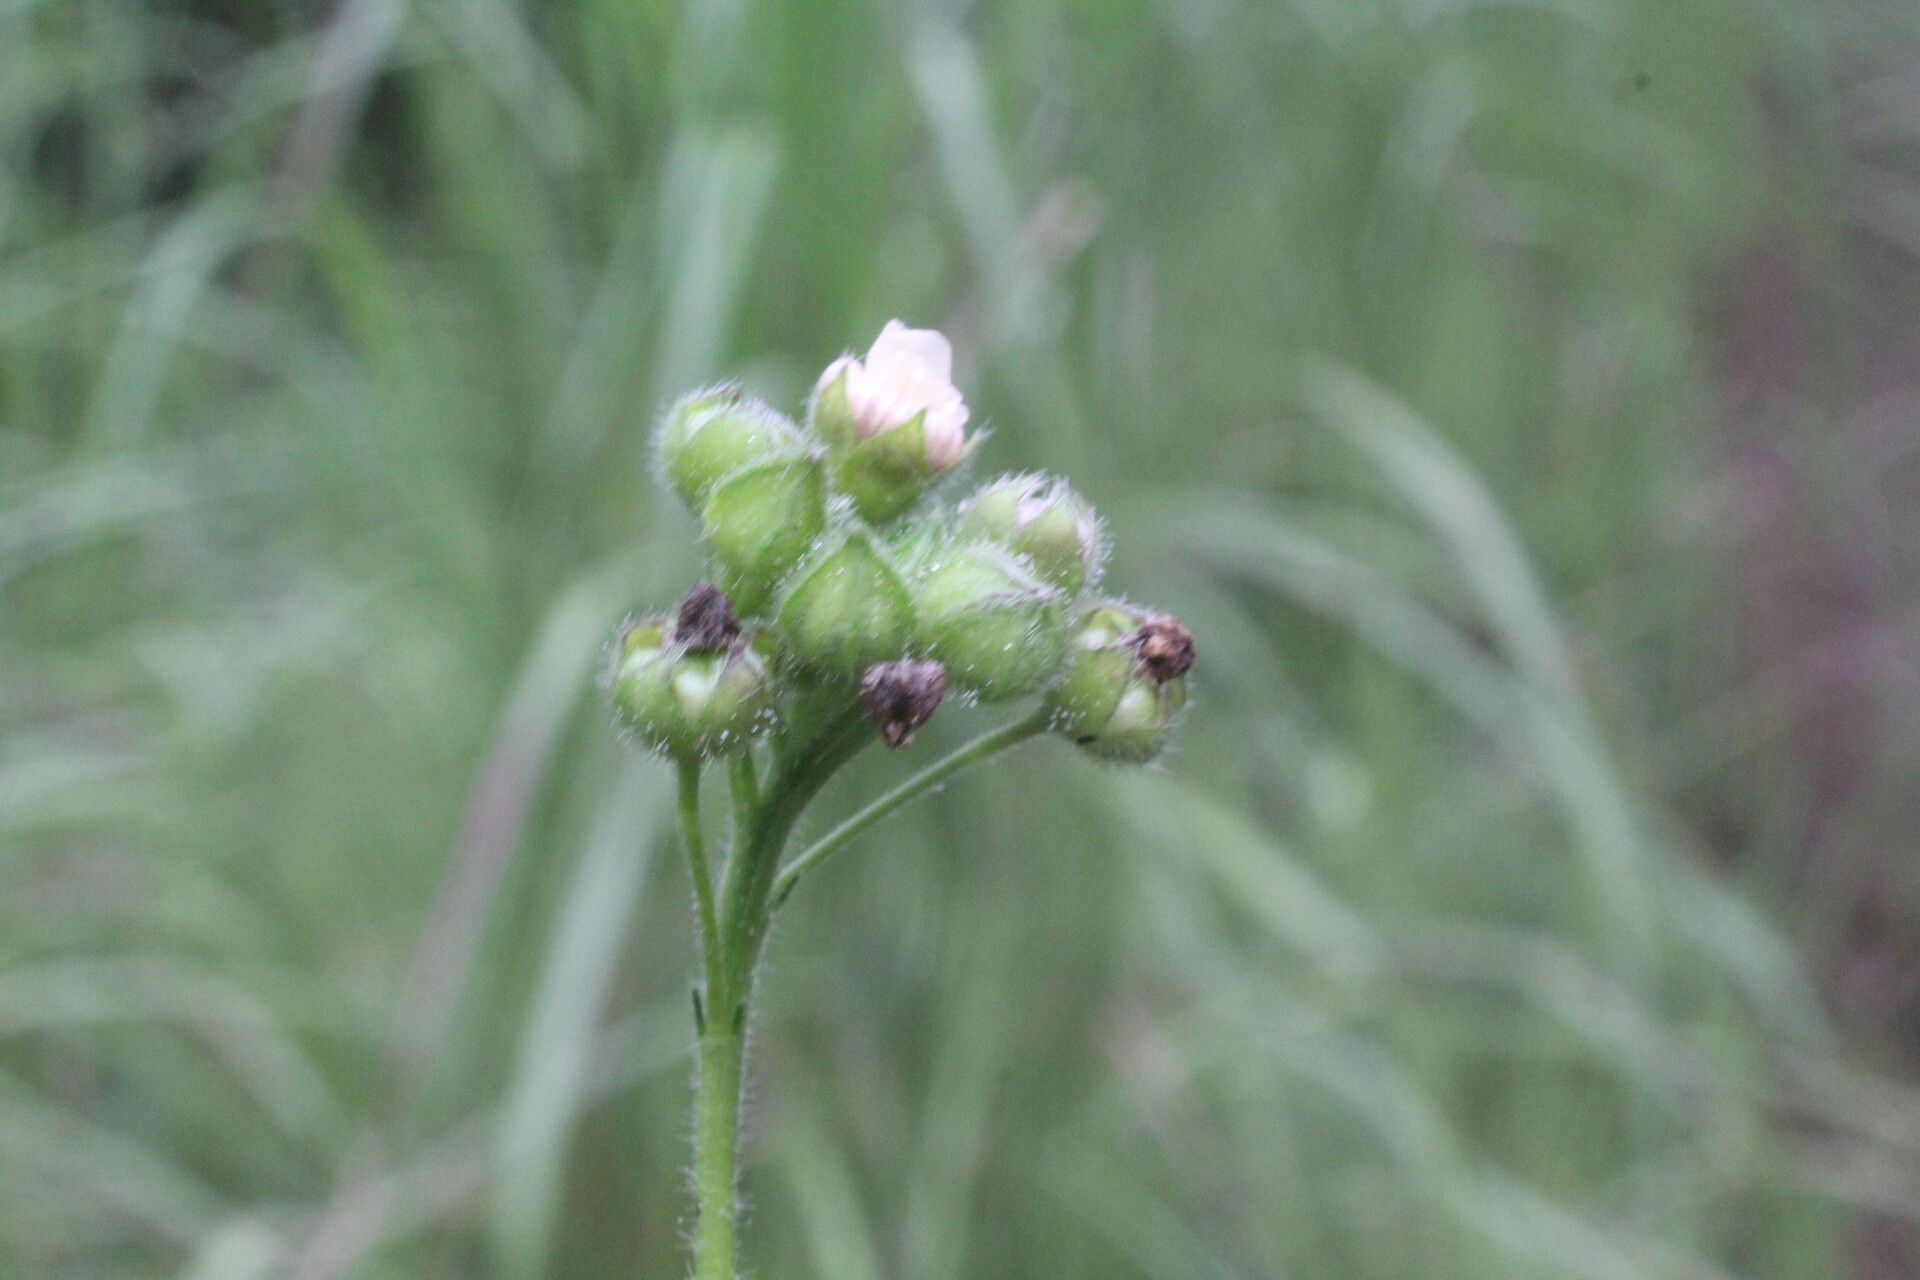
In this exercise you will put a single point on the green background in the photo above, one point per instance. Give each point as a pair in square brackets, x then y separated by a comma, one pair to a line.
[1521, 401]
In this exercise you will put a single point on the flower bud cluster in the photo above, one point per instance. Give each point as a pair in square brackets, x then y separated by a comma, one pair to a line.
[838, 566]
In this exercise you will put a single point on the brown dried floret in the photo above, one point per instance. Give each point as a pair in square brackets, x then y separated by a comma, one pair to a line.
[901, 696]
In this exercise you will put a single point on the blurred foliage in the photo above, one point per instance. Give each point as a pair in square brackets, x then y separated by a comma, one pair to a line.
[1518, 399]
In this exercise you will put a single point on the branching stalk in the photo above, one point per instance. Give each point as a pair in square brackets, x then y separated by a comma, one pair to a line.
[982, 748]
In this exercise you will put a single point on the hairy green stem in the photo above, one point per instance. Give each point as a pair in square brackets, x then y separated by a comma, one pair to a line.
[764, 820]
[734, 930]
[702, 877]
[716, 1141]
[982, 748]
[839, 742]
[746, 788]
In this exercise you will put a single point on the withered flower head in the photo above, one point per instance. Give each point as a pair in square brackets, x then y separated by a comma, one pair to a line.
[1162, 649]
[705, 623]
[901, 696]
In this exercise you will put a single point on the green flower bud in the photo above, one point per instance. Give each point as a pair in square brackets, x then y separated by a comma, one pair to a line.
[1043, 519]
[1125, 683]
[891, 422]
[999, 631]
[919, 542]
[693, 687]
[760, 521]
[846, 608]
[709, 435]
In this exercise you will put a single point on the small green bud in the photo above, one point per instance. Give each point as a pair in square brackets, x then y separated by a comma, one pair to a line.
[891, 422]
[761, 520]
[709, 435]
[693, 687]
[846, 608]
[1043, 519]
[919, 542]
[1125, 683]
[999, 631]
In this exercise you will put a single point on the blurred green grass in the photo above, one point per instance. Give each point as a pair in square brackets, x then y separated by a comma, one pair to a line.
[1514, 398]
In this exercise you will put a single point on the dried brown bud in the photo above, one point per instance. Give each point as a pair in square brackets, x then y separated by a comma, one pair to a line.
[1162, 649]
[901, 696]
[705, 623]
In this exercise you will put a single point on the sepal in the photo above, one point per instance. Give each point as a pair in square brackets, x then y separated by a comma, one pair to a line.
[707, 436]
[761, 521]
[846, 607]
[1042, 518]
[999, 631]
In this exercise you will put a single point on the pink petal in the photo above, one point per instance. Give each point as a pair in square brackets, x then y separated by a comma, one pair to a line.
[925, 349]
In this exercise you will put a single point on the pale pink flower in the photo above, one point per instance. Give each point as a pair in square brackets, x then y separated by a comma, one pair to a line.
[906, 372]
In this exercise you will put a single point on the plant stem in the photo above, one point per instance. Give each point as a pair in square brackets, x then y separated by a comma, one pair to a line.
[715, 1141]
[741, 928]
[734, 930]
[800, 769]
[702, 876]
[746, 789]
[984, 747]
